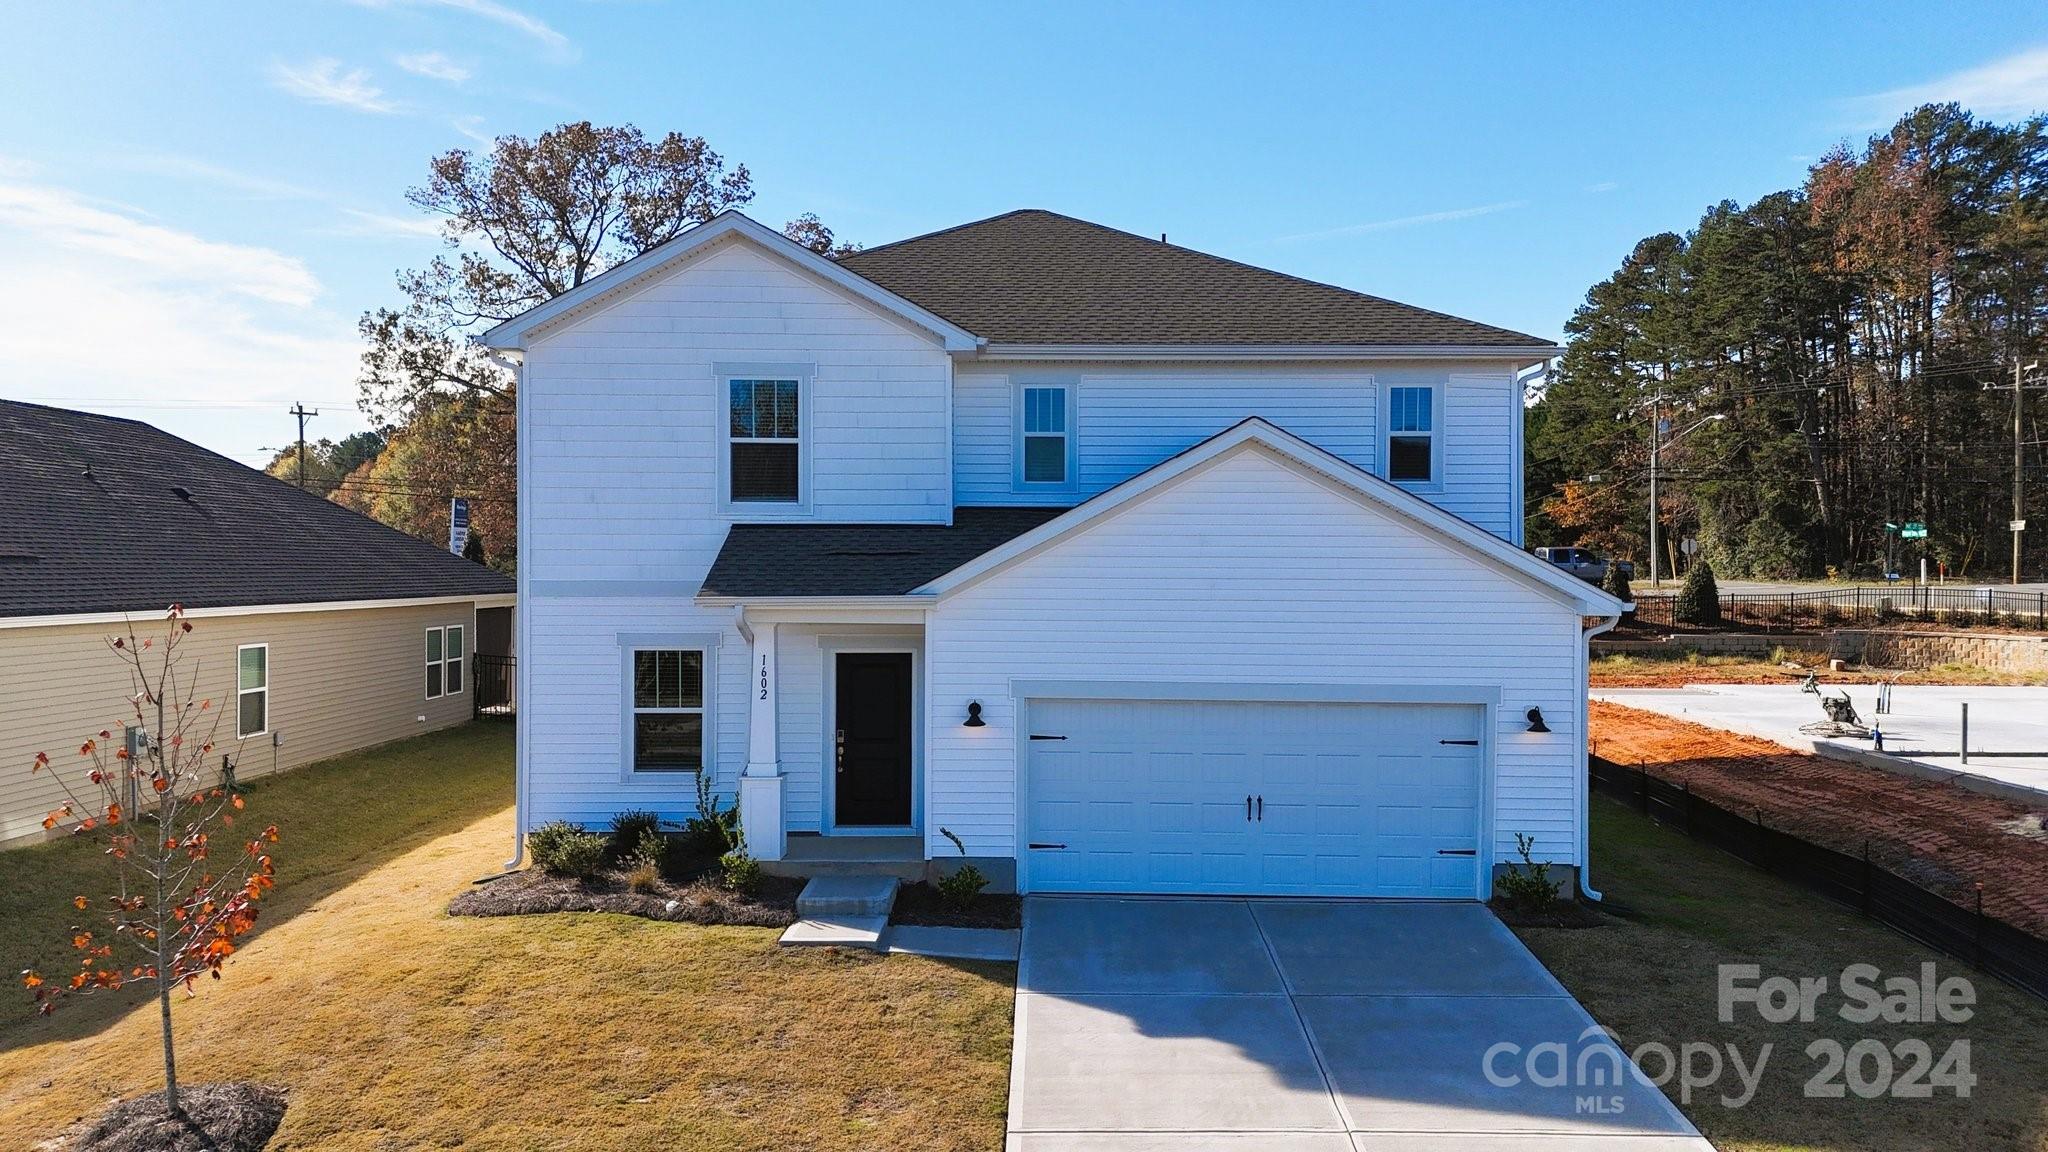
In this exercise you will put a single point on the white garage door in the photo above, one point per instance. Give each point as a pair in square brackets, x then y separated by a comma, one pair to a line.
[1268, 798]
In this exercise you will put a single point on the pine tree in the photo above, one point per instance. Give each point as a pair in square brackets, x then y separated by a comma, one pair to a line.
[1616, 583]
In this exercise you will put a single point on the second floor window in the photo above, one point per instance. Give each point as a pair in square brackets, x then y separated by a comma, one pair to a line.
[1411, 435]
[1045, 436]
[766, 432]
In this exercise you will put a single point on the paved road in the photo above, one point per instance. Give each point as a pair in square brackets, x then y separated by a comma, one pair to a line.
[1302, 1026]
[1778, 587]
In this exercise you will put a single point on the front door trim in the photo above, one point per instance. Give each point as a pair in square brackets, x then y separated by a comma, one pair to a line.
[1024, 692]
[831, 647]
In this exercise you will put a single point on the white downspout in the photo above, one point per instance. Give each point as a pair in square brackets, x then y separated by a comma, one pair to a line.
[1585, 751]
[522, 611]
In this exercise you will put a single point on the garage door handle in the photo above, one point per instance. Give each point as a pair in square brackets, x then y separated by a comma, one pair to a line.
[1457, 851]
[1466, 743]
[1262, 809]
[1247, 809]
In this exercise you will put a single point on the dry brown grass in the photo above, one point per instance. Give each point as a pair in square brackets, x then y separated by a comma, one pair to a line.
[395, 1026]
[1681, 668]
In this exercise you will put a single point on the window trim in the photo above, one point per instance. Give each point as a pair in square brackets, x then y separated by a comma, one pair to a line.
[723, 374]
[241, 691]
[1435, 483]
[631, 642]
[458, 661]
[1070, 390]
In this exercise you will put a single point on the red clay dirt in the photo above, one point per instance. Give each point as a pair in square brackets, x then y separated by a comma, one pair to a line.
[1944, 838]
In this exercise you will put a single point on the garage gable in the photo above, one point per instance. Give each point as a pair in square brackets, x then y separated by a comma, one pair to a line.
[1257, 461]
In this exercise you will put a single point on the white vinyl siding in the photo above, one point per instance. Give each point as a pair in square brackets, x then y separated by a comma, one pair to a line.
[1127, 418]
[1248, 572]
[626, 417]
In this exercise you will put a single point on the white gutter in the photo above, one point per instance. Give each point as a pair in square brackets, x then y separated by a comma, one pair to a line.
[1585, 794]
[523, 670]
[1519, 353]
[480, 599]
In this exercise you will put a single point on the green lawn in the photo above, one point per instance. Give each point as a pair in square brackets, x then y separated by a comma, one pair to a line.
[335, 820]
[393, 1025]
[1688, 908]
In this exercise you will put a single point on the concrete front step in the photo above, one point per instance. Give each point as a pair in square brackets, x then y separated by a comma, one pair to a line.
[837, 932]
[838, 896]
[907, 871]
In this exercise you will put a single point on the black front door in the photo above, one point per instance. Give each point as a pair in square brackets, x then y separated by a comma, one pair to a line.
[871, 747]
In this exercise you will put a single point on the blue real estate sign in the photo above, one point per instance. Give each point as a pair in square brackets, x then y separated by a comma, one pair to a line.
[458, 524]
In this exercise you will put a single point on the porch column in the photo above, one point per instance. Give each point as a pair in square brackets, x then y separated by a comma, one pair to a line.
[761, 783]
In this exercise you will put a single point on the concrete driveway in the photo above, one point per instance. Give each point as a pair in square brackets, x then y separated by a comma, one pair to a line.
[1303, 1026]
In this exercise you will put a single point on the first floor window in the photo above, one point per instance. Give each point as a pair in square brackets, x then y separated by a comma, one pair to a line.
[252, 690]
[1411, 434]
[444, 661]
[765, 430]
[668, 709]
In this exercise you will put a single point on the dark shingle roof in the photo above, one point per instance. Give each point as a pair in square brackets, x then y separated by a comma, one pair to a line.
[123, 538]
[859, 559]
[1035, 277]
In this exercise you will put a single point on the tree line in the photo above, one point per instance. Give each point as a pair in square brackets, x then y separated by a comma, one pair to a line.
[1823, 362]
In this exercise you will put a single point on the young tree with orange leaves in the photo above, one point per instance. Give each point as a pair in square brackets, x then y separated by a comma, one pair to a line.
[182, 890]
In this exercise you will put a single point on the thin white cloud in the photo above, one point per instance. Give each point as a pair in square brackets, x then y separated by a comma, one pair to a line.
[323, 81]
[1602, 186]
[2009, 88]
[103, 305]
[361, 223]
[193, 168]
[1444, 217]
[530, 26]
[433, 66]
[472, 127]
[59, 220]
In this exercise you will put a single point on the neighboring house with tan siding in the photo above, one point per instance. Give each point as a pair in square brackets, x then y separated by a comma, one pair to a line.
[316, 630]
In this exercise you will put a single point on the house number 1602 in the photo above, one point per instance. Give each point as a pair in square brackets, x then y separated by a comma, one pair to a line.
[764, 675]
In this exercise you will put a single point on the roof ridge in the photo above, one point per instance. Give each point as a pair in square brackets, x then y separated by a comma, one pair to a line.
[76, 412]
[937, 232]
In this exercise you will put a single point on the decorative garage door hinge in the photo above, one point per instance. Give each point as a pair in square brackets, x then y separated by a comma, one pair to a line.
[1457, 851]
[1036, 736]
[1048, 845]
[1466, 743]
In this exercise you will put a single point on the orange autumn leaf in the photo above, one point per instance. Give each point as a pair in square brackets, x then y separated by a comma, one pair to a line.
[79, 902]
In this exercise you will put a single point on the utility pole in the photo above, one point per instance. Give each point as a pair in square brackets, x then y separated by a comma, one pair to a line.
[2018, 525]
[1656, 435]
[302, 413]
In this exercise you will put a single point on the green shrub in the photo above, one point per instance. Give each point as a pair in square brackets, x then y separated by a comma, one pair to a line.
[960, 887]
[1526, 885]
[562, 849]
[1615, 584]
[1699, 600]
[714, 830]
[628, 829]
[741, 872]
[654, 851]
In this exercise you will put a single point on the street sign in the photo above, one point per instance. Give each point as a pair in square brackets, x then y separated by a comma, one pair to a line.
[458, 524]
[1688, 545]
[1914, 530]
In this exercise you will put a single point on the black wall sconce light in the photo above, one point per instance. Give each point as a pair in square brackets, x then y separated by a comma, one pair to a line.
[974, 719]
[1536, 723]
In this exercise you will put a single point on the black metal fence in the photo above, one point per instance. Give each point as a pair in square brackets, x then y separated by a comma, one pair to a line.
[491, 690]
[1987, 943]
[1959, 607]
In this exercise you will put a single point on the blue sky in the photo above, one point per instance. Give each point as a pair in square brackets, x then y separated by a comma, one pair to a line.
[197, 201]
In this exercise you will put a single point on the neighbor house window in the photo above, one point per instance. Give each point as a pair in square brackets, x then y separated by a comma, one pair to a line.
[1411, 434]
[252, 690]
[765, 465]
[668, 709]
[1045, 437]
[444, 661]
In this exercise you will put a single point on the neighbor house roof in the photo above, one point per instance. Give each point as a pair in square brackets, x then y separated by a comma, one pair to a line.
[105, 515]
[1036, 277]
[768, 560]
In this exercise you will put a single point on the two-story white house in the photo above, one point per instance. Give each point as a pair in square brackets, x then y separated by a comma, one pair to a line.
[1134, 568]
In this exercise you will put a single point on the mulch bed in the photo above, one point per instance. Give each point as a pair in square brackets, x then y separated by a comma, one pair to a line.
[921, 904]
[1561, 914]
[215, 1118]
[694, 898]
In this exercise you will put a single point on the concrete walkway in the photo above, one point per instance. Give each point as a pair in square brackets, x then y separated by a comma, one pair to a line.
[1303, 1026]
